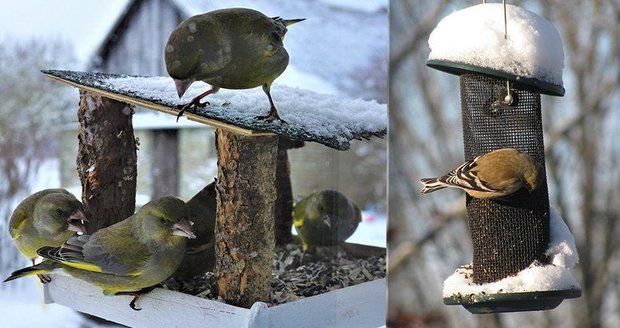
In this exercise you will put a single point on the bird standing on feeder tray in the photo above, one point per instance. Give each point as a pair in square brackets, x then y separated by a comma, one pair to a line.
[235, 48]
[495, 174]
[126, 258]
[325, 218]
[46, 218]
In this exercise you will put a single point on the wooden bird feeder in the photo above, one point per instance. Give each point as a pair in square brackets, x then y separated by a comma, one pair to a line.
[253, 187]
[511, 233]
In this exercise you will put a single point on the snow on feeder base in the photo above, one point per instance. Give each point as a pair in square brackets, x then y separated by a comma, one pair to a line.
[540, 286]
[503, 68]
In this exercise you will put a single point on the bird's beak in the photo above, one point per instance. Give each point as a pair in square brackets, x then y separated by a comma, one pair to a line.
[182, 86]
[77, 221]
[289, 22]
[327, 221]
[183, 228]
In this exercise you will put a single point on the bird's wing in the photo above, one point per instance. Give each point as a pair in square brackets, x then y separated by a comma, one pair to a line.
[111, 251]
[465, 176]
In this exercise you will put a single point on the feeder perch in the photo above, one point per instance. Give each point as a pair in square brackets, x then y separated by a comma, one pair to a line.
[503, 69]
[252, 183]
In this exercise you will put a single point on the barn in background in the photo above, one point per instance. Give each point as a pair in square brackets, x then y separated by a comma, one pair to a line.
[327, 56]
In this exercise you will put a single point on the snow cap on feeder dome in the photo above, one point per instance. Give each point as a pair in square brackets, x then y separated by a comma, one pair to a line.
[474, 40]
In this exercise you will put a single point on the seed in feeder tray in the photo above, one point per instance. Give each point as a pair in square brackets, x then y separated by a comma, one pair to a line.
[126, 258]
[495, 174]
[56, 209]
[252, 58]
[325, 218]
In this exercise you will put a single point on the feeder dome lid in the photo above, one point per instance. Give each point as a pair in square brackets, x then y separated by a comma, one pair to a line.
[472, 40]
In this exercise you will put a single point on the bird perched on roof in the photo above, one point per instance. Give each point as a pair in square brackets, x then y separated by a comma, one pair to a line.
[46, 218]
[234, 48]
[495, 174]
[126, 258]
[200, 252]
[325, 218]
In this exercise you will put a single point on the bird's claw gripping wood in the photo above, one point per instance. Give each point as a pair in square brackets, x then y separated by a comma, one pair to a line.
[136, 296]
[195, 103]
[273, 115]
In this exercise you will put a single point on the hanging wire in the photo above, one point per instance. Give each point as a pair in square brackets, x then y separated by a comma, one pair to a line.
[505, 21]
[508, 99]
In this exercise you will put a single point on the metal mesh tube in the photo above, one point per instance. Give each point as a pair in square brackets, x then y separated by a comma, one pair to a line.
[507, 234]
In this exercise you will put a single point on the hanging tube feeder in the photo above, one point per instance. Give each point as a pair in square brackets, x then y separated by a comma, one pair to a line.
[503, 72]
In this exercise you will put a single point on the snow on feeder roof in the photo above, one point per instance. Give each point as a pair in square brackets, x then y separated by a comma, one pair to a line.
[473, 39]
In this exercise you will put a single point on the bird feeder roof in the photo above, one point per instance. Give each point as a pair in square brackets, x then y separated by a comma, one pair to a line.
[473, 40]
[330, 120]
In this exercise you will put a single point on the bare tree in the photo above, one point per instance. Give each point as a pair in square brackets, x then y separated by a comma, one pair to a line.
[32, 116]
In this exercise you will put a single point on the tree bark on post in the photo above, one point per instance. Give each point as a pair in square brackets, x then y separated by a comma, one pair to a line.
[106, 161]
[244, 228]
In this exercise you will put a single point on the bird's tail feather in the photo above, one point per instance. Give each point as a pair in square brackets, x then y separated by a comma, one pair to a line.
[431, 184]
[41, 268]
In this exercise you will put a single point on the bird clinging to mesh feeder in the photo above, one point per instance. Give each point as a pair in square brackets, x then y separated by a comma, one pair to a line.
[234, 48]
[495, 174]
[506, 57]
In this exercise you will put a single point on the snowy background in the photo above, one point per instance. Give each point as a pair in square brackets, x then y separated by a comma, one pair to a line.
[428, 234]
[341, 50]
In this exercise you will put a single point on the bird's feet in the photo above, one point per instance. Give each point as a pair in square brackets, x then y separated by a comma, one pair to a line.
[136, 296]
[44, 279]
[273, 115]
[195, 103]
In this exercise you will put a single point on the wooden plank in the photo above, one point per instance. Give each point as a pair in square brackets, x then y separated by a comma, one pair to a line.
[160, 308]
[163, 109]
[362, 305]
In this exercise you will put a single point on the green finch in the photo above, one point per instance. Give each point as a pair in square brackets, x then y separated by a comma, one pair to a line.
[125, 258]
[495, 174]
[325, 218]
[234, 48]
[46, 218]
[200, 253]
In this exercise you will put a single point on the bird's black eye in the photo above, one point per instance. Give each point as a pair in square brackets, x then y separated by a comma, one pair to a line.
[59, 211]
[162, 220]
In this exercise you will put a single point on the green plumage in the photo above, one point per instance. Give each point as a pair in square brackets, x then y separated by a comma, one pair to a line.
[136, 253]
[235, 48]
[45, 219]
[325, 218]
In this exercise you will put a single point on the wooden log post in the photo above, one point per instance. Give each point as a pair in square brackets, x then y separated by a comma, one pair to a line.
[244, 229]
[106, 160]
[284, 196]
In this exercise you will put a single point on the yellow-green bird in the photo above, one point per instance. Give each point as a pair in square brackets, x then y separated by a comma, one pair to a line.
[200, 252]
[126, 258]
[46, 218]
[325, 218]
[234, 48]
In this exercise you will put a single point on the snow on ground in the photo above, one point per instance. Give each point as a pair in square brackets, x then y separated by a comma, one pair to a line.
[475, 36]
[558, 275]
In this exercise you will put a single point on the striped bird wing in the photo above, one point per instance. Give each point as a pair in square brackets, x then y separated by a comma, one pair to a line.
[117, 252]
[465, 176]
